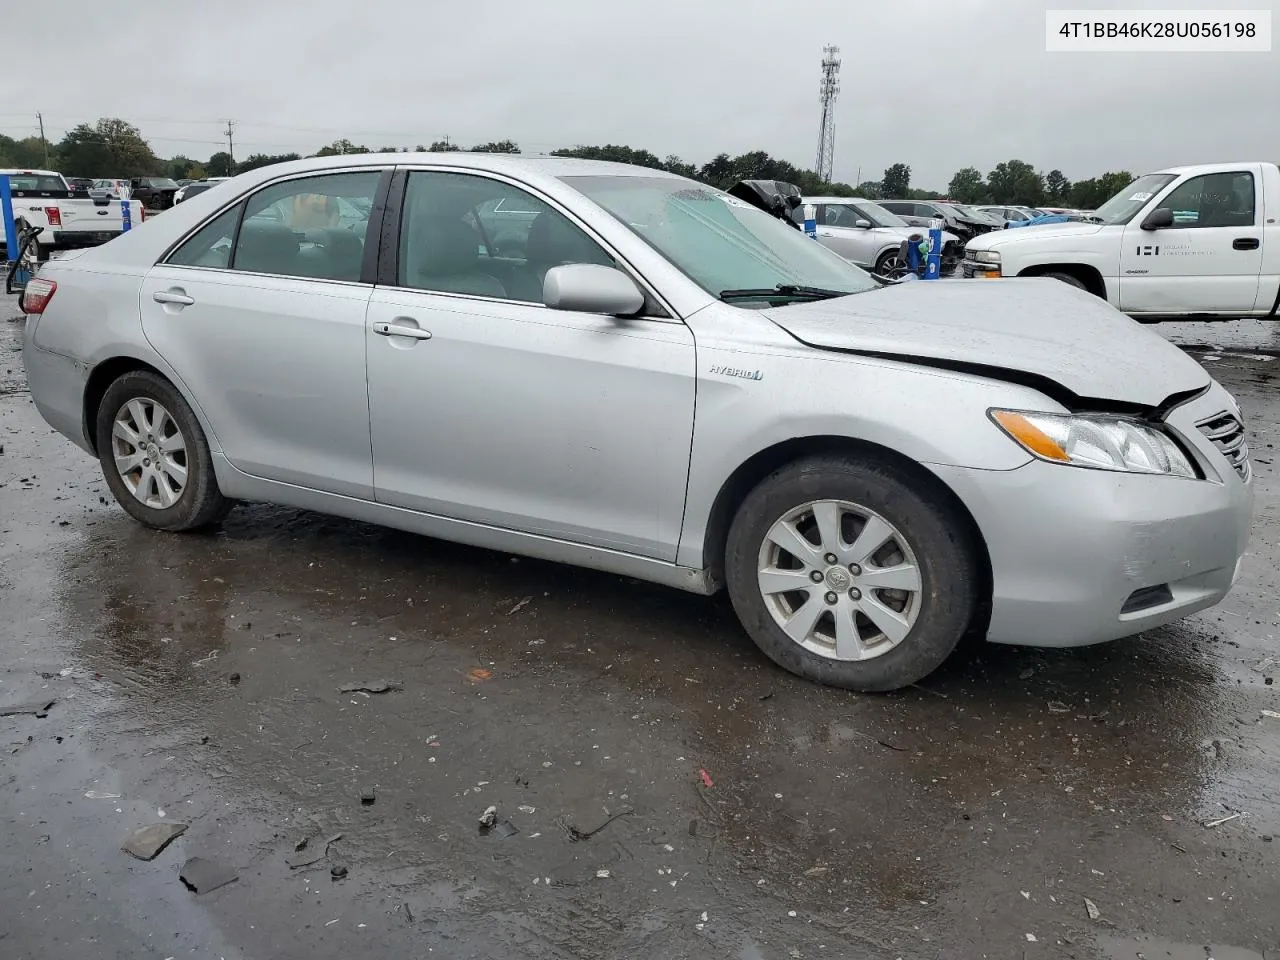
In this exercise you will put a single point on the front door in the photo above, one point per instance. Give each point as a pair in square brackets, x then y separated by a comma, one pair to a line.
[489, 407]
[1209, 261]
[261, 315]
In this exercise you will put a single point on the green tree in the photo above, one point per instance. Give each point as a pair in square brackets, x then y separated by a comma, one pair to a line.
[1015, 181]
[28, 153]
[613, 153]
[388, 150]
[870, 190]
[1092, 193]
[109, 148]
[896, 181]
[497, 146]
[196, 172]
[219, 165]
[178, 168]
[967, 186]
[674, 164]
[1056, 186]
[443, 146]
[340, 148]
[257, 160]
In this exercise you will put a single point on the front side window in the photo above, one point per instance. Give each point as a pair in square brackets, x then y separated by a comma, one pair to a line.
[469, 234]
[309, 227]
[723, 244]
[1213, 200]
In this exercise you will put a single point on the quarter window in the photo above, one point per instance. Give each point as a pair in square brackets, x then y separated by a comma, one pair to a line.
[469, 234]
[210, 246]
[1213, 200]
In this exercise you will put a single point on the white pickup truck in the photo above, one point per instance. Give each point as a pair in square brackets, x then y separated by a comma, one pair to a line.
[1187, 243]
[69, 219]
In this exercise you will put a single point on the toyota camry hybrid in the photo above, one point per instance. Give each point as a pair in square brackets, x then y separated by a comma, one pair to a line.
[623, 369]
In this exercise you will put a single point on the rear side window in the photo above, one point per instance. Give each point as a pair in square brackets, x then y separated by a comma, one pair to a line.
[312, 227]
[210, 246]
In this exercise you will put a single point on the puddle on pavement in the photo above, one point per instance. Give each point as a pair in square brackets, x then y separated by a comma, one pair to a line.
[1116, 948]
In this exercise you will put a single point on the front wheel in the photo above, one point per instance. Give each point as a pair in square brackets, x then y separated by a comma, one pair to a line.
[890, 265]
[154, 455]
[1068, 278]
[851, 573]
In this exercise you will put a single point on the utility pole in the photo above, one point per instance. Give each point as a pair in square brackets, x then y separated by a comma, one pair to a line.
[40, 120]
[231, 147]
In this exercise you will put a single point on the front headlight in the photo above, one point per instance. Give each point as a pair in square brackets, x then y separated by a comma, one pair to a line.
[1100, 441]
[986, 256]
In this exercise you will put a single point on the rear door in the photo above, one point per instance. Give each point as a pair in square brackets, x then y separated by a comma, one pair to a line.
[1209, 261]
[838, 232]
[261, 314]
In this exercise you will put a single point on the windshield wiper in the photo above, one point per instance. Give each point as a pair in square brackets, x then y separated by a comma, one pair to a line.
[786, 290]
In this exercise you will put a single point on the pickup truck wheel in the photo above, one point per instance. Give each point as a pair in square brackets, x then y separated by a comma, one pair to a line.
[849, 573]
[154, 455]
[1067, 278]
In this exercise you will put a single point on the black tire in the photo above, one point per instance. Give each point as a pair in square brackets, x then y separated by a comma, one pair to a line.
[1069, 278]
[939, 537]
[201, 503]
[883, 268]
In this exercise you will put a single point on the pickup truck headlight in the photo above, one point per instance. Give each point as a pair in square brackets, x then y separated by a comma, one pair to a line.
[1098, 441]
[986, 256]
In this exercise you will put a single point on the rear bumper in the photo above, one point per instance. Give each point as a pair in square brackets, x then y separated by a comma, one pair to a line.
[57, 386]
[1085, 556]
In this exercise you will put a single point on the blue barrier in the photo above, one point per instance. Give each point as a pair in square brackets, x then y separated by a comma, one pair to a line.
[126, 221]
[933, 265]
[6, 208]
[810, 221]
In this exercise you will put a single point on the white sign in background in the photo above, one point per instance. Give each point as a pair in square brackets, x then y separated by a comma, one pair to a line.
[1158, 31]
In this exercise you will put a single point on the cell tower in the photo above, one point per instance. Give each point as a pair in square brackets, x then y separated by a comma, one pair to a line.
[828, 92]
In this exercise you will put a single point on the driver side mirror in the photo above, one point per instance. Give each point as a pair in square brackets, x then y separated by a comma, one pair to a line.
[1158, 219]
[862, 224]
[591, 288]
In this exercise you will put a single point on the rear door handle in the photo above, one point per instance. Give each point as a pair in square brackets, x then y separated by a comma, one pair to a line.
[1245, 243]
[399, 330]
[172, 296]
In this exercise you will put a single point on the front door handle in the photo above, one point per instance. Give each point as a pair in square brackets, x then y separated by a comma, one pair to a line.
[173, 296]
[1245, 243]
[399, 330]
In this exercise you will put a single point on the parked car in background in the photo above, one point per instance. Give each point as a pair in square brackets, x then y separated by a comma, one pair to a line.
[865, 233]
[42, 198]
[156, 193]
[1199, 242]
[195, 187]
[79, 184]
[1012, 214]
[112, 188]
[920, 213]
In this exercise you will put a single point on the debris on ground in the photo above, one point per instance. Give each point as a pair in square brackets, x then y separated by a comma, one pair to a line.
[1027, 674]
[1057, 706]
[370, 686]
[520, 606]
[506, 828]
[489, 819]
[1031, 938]
[575, 833]
[1266, 665]
[100, 795]
[201, 875]
[368, 797]
[146, 843]
[706, 778]
[36, 708]
[815, 871]
[1266, 713]
[602, 874]
[1220, 822]
[527, 809]
[234, 679]
[1092, 908]
[337, 872]
[479, 674]
[302, 845]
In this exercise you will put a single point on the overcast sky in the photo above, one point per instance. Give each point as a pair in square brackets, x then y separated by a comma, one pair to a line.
[936, 84]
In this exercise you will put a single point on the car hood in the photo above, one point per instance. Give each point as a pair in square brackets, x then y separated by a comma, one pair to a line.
[1046, 334]
[1039, 231]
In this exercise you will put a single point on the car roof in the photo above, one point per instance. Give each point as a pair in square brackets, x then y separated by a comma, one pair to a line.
[491, 162]
[11, 171]
[837, 200]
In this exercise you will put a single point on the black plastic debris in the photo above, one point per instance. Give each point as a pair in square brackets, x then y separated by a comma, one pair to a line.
[338, 872]
[36, 708]
[370, 686]
[146, 843]
[202, 876]
[306, 861]
[505, 828]
[234, 679]
[368, 797]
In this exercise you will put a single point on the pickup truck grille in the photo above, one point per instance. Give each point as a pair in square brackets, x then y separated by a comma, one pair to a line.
[1226, 432]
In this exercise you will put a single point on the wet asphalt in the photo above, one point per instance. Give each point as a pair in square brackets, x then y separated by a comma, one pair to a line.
[675, 795]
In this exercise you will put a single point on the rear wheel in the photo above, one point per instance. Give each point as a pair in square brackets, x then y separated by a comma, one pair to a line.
[154, 455]
[851, 574]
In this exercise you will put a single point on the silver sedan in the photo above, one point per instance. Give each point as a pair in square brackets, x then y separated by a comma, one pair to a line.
[619, 368]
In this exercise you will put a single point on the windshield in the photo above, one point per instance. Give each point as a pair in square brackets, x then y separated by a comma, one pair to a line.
[718, 241]
[36, 182]
[1125, 205]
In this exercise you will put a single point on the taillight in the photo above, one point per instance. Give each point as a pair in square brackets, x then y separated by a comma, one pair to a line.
[37, 295]
[54, 215]
[143, 210]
